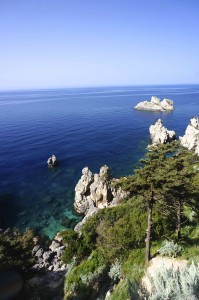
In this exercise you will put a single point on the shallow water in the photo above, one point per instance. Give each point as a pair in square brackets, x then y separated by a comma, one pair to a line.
[87, 126]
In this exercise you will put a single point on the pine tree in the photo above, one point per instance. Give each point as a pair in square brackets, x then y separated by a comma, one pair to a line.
[178, 189]
[166, 178]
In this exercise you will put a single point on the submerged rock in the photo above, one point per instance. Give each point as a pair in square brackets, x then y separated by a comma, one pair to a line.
[52, 161]
[190, 140]
[156, 105]
[96, 191]
[160, 134]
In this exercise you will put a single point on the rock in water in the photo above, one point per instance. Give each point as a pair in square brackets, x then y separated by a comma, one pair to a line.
[95, 191]
[156, 105]
[160, 134]
[52, 161]
[191, 138]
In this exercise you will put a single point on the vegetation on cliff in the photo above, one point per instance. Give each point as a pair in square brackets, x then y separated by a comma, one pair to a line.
[164, 206]
[16, 250]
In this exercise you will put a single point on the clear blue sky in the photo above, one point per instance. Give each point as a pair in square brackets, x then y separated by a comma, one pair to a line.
[66, 43]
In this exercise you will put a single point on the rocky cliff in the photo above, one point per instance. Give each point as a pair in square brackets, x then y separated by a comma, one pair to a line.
[160, 134]
[190, 140]
[156, 105]
[50, 259]
[95, 191]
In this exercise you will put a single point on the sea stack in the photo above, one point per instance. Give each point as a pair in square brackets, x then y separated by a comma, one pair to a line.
[190, 140]
[160, 134]
[52, 161]
[156, 105]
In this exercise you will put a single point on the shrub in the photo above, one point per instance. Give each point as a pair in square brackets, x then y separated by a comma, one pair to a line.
[115, 272]
[170, 249]
[16, 250]
[76, 246]
[81, 278]
[175, 284]
[114, 231]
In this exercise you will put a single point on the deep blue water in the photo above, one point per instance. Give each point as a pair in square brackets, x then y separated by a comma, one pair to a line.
[82, 127]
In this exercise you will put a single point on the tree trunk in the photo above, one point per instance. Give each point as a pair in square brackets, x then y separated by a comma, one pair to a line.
[148, 232]
[179, 213]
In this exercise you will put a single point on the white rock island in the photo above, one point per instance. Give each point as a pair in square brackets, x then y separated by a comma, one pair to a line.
[156, 105]
[190, 140]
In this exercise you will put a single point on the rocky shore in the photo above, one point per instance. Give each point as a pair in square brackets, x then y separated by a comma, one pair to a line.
[50, 258]
[156, 105]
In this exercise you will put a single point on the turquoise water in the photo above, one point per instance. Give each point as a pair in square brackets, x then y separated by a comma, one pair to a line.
[82, 127]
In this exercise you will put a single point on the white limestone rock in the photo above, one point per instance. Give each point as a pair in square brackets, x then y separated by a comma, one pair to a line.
[160, 134]
[92, 190]
[100, 191]
[95, 191]
[156, 105]
[190, 140]
[167, 104]
[82, 191]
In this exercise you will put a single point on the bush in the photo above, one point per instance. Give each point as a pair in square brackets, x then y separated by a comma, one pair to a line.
[170, 249]
[175, 284]
[81, 279]
[77, 246]
[16, 250]
[115, 272]
[116, 230]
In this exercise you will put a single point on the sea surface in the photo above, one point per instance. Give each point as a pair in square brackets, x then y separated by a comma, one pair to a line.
[82, 127]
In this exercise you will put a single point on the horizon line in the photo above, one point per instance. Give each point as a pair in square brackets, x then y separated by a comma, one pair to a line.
[92, 86]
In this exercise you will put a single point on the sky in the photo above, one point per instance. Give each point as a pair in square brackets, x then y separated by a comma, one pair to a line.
[77, 43]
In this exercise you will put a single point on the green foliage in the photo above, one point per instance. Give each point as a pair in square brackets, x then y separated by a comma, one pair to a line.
[78, 246]
[132, 270]
[175, 284]
[125, 290]
[121, 229]
[167, 170]
[82, 278]
[167, 179]
[190, 242]
[16, 250]
[114, 231]
[169, 248]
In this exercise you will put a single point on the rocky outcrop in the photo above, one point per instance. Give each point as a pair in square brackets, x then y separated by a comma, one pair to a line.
[191, 138]
[95, 191]
[156, 105]
[160, 134]
[52, 161]
[50, 259]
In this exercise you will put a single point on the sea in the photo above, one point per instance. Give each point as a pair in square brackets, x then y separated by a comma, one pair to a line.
[82, 127]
